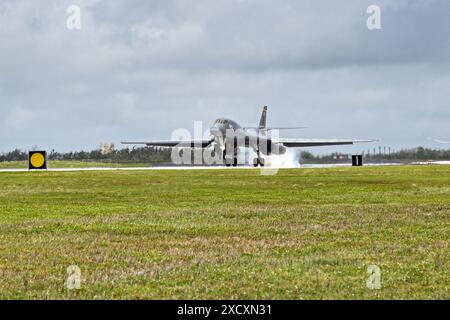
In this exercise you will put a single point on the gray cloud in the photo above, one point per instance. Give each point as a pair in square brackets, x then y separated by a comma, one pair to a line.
[139, 69]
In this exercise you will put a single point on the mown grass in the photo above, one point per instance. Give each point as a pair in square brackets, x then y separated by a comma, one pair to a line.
[301, 234]
[72, 164]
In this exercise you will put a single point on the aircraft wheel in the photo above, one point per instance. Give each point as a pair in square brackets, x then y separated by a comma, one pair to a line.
[261, 162]
[255, 162]
[235, 162]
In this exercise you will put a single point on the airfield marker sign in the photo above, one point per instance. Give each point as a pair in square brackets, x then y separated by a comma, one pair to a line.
[37, 160]
[357, 160]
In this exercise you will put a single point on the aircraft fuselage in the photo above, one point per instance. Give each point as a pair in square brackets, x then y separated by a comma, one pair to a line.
[228, 133]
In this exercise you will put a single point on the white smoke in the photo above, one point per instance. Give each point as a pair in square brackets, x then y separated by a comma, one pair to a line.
[291, 159]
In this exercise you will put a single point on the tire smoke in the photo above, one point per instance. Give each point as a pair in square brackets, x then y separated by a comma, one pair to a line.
[291, 159]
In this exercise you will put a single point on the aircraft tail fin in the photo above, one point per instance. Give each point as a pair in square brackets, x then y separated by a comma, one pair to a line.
[262, 121]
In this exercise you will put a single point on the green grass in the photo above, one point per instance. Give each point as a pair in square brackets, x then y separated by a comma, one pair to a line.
[72, 164]
[301, 234]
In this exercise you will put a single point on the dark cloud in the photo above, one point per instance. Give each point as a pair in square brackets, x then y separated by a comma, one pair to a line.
[139, 69]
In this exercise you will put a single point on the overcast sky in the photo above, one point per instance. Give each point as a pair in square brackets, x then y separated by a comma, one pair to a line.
[140, 69]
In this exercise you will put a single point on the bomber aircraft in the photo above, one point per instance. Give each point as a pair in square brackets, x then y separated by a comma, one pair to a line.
[227, 136]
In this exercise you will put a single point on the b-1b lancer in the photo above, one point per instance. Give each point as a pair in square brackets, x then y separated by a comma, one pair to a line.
[228, 136]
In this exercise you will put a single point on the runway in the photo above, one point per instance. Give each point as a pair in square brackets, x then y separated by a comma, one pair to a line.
[129, 169]
[304, 166]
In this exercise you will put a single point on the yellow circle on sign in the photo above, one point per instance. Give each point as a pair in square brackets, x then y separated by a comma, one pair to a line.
[37, 160]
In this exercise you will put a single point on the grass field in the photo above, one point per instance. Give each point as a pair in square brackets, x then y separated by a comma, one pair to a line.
[301, 234]
[72, 164]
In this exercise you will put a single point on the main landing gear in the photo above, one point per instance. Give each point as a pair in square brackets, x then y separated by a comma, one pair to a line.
[233, 161]
[259, 160]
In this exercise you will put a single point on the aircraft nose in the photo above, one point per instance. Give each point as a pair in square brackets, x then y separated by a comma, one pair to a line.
[214, 129]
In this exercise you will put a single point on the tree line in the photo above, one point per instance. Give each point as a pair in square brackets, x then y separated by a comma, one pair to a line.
[419, 153]
[154, 154]
[141, 154]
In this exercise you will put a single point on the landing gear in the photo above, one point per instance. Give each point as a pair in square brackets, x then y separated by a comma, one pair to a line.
[225, 159]
[230, 161]
[259, 160]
